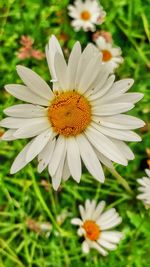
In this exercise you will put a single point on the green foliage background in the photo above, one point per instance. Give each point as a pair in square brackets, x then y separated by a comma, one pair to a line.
[22, 196]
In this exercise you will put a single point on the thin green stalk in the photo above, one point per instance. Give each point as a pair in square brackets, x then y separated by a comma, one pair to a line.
[42, 201]
[10, 254]
[121, 180]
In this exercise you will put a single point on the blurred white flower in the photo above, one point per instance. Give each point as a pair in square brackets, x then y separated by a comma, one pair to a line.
[43, 228]
[86, 14]
[79, 120]
[109, 53]
[60, 218]
[95, 225]
[144, 188]
[106, 35]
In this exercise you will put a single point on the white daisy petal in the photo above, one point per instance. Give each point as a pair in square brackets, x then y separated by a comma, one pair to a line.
[124, 135]
[85, 58]
[116, 51]
[119, 88]
[82, 212]
[45, 155]
[32, 128]
[73, 65]
[52, 48]
[90, 210]
[125, 149]
[66, 172]
[147, 172]
[76, 221]
[105, 146]
[9, 135]
[36, 84]
[120, 121]
[100, 91]
[111, 109]
[106, 216]
[24, 93]
[145, 181]
[104, 160]
[57, 154]
[99, 249]
[89, 158]
[80, 231]
[56, 178]
[106, 244]
[100, 42]
[99, 209]
[89, 74]
[87, 205]
[143, 196]
[14, 123]
[101, 81]
[73, 158]
[125, 98]
[85, 247]
[38, 144]
[111, 236]
[144, 188]
[26, 111]
[20, 161]
[61, 67]
[111, 224]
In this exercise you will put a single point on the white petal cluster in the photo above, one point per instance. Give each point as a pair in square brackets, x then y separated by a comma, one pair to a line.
[108, 238]
[103, 141]
[93, 8]
[116, 59]
[144, 188]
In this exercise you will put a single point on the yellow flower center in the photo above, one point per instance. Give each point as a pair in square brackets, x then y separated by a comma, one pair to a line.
[85, 15]
[69, 113]
[106, 55]
[92, 230]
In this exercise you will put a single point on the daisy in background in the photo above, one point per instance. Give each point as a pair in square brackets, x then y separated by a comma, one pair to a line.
[86, 14]
[27, 51]
[145, 189]
[109, 53]
[104, 34]
[95, 225]
[79, 120]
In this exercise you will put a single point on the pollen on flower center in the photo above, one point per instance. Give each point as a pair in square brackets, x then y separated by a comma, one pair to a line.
[106, 55]
[92, 230]
[69, 113]
[85, 15]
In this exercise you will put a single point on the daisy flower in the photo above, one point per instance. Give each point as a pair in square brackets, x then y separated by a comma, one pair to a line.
[86, 14]
[79, 120]
[95, 225]
[107, 36]
[144, 188]
[109, 53]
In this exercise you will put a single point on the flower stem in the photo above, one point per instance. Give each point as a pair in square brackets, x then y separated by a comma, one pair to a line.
[122, 181]
[42, 201]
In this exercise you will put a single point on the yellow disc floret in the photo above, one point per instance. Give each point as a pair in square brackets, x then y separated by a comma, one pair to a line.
[85, 15]
[69, 113]
[106, 55]
[92, 230]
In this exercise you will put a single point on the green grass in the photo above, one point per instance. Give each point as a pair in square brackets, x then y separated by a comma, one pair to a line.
[22, 197]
